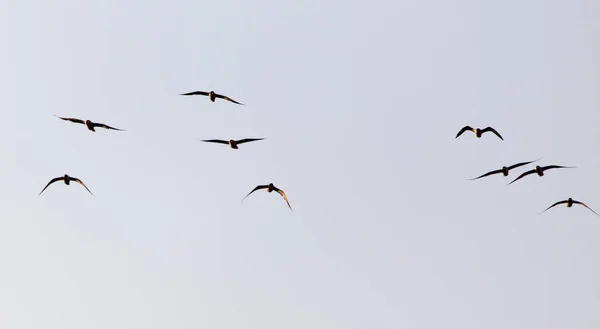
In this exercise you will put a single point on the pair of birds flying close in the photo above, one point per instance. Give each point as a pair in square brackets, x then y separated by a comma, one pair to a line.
[537, 170]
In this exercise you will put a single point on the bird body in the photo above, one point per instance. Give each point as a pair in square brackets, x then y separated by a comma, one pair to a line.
[270, 188]
[538, 170]
[478, 132]
[211, 95]
[89, 123]
[67, 180]
[569, 203]
[504, 170]
[232, 143]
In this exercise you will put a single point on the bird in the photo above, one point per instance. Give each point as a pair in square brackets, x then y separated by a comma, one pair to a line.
[67, 179]
[570, 203]
[270, 188]
[504, 170]
[232, 143]
[89, 124]
[478, 132]
[211, 95]
[538, 170]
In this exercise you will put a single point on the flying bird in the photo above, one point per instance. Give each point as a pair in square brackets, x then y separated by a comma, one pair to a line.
[232, 143]
[270, 188]
[89, 124]
[67, 179]
[570, 203]
[478, 132]
[538, 170]
[504, 170]
[211, 95]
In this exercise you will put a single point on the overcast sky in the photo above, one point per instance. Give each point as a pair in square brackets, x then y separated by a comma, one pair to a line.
[360, 101]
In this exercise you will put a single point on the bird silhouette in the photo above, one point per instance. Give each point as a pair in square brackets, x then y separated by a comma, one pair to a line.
[538, 170]
[570, 203]
[478, 132]
[270, 188]
[67, 179]
[504, 170]
[232, 143]
[211, 95]
[89, 124]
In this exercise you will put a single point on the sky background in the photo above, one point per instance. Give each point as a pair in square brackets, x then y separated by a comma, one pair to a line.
[360, 101]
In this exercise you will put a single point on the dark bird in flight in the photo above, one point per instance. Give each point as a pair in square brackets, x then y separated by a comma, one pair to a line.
[67, 179]
[504, 170]
[211, 95]
[538, 170]
[570, 203]
[89, 124]
[478, 132]
[232, 143]
[270, 188]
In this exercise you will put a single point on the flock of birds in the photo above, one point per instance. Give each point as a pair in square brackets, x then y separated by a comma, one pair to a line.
[505, 170]
[232, 143]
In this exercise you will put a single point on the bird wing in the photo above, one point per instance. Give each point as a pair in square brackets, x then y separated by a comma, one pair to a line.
[101, 125]
[559, 202]
[487, 174]
[284, 197]
[256, 188]
[204, 93]
[554, 167]
[246, 140]
[80, 182]
[465, 128]
[492, 130]
[523, 175]
[226, 98]
[583, 204]
[215, 141]
[71, 119]
[522, 164]
[51, 181]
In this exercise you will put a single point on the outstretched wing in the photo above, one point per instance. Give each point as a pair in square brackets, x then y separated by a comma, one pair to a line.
[487, 174]
[220, 141]
[559, 202]
[522, 164]
[71, 119]
[523, 175]
[101, 125]
[492, 130]
[554, 167]
[256, 188]
[583, 204]
[80, 182]
[465, 128]
[246, 140]
[203, 93]
[51, 181]
[284, 197]
[226, 98]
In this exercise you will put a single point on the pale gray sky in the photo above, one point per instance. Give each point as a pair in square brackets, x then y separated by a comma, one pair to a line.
[360, 101]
